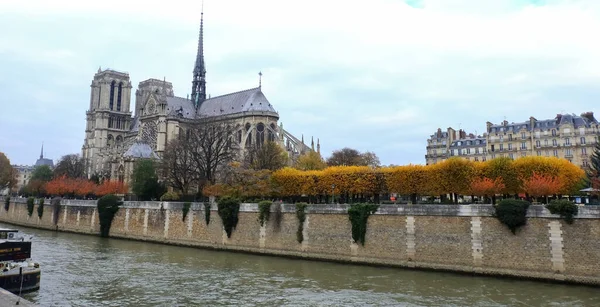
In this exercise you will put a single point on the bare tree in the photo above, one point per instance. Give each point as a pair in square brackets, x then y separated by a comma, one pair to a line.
[352, 157]
[177, 166]
[72, 166]
[211, 147]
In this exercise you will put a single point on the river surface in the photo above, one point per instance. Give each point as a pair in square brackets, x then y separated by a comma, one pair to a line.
[82, 270]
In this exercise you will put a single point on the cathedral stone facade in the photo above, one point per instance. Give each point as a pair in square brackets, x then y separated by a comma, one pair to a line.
[116, 136]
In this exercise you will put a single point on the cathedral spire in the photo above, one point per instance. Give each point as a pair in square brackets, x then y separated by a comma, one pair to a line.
[42, 152]
[199, 80]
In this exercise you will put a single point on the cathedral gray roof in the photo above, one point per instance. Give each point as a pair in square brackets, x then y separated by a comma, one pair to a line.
[140, 150]
[44, 161]
[180, 107]
[252, 100]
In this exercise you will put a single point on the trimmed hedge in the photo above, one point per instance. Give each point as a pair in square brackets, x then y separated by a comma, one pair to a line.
[512, 213]
[301, 215]
[30, 205]
[264, 210]
[108, 206]
[566, 209]
[228, 209]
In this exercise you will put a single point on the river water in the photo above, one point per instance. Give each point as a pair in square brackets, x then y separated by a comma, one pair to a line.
[80, 270]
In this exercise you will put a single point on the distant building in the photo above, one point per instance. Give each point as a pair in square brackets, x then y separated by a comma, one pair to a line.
[24, 175]
[44, 161]
[566, 136]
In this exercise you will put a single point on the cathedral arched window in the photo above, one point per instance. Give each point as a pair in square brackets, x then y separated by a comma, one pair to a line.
[109, 140]
[119, 96]
[260, 134]
[110, 122]
[249, 140]
[112, 95]
[119, 140]
[239, 136]
[248, 127]
[121, 173]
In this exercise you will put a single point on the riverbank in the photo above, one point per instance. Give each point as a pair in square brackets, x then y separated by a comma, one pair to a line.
[458, 238]
[10, 299]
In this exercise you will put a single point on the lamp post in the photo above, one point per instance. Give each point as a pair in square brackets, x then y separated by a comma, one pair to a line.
[332, 193]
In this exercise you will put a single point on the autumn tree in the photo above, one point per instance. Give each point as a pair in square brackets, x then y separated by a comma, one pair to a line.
[486, 187]
[144, 180]
[539, 185]
[269, 156]
[8, 174]
[408, 180]
[72, 166]
[111, 187]
[502, 168]
[177, 166]
[455, 176]
[311, 161]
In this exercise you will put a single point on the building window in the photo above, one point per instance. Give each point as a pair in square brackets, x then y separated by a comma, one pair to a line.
[476, 159]
[501, 138]
[553, 132]
[568, 152]
[554, 142]
[112, 95]
[523, 135]
[555, 153]
[477, 150]
[501, 147]
[468, 151]
[545, 142]
[119, 96]
[510, 137]
[582, 140]
[584, 151]
[539, 152]
[483, 159]
[568, 141]
[523, 145]
[510, 155]
[547, 153]
[509, 146]
[537, 143]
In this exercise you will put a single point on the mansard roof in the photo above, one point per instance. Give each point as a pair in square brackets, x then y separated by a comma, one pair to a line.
[251, 100]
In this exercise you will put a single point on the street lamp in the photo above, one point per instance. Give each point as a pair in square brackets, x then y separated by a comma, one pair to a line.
[332, 193]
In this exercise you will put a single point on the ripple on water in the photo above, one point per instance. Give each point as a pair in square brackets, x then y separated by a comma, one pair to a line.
[83, 270]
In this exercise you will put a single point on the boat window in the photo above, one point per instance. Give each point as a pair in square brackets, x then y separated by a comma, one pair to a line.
[2, 235]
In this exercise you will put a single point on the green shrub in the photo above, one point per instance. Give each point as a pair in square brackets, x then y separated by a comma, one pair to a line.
[264, 210]
[40, 210]
[512, 213]
[186, 209]
[566, 209]
[301, 215]
[30, 205]
[207, 213]
[108, 206]
[359, 214]
[228, 209]
[169, 196]
[6, 203]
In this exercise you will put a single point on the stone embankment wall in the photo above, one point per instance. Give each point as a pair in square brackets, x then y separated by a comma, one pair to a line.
[461, 238]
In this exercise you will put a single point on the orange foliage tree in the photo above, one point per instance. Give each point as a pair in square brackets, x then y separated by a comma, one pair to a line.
[486, 187]
[539, 185]
[111, 187]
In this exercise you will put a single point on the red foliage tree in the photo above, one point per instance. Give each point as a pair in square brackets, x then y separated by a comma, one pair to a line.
[542, 185]
[111, 187]
[486, 186]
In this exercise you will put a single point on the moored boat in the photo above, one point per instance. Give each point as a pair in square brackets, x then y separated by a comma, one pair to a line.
[18, 273]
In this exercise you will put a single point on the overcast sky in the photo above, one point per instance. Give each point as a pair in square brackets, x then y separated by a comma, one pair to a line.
[377, 75]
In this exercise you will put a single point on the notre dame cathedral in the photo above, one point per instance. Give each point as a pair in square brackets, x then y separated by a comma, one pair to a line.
[115, 138]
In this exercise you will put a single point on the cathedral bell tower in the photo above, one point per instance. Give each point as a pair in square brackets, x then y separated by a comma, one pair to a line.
[199, 79]
[108, 117]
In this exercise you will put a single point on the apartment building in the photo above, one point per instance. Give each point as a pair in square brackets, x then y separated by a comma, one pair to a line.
[566, 136]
